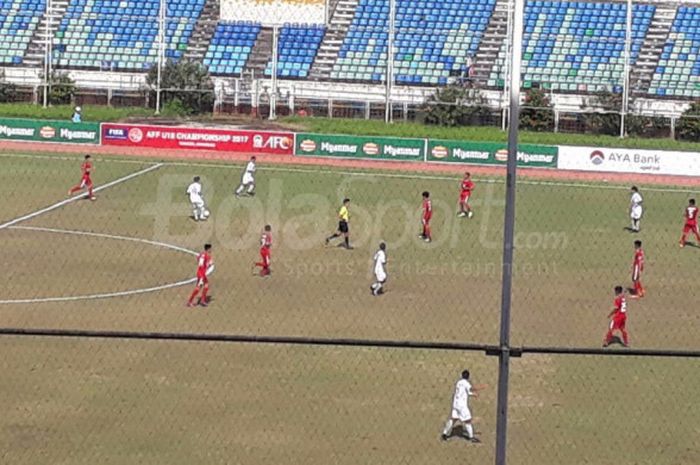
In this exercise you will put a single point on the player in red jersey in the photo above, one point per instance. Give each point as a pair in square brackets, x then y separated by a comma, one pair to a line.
[265, 248]
[466, 191]
[618, 318]
[691, 222]
[86, 168]
[205, 264]
[425, 219]
[637, 268]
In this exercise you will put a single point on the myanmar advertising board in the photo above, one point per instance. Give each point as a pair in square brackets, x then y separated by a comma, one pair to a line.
[491, 153]
[364, 147]
[49, 131]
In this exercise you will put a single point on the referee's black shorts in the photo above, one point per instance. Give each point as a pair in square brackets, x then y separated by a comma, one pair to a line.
[343, 226]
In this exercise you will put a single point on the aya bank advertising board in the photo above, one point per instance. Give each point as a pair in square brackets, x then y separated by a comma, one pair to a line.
[629, 161]
[170, 137]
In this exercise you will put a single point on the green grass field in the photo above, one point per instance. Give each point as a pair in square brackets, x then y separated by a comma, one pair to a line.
[121, 402]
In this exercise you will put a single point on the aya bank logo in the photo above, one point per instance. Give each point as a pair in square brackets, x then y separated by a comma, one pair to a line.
[597, 157]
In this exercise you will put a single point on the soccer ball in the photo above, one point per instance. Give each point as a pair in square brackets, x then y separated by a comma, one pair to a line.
[205, 214]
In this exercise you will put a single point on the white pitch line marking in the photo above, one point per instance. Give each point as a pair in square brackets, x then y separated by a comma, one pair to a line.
[80, 196]
[108, 294]
[383, 174]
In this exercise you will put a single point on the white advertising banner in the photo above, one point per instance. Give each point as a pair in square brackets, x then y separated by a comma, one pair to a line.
[629, 161]
[274, 12]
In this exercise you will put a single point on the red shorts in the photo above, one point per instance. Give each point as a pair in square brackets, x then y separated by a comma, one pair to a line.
[690, 227]
[86, 181]
[426, 220]
[202, 279]
[618, 322]
[636, 273]
[265, 255]
[464, 197]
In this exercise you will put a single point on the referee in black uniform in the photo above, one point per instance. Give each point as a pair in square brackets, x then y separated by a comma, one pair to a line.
[343, 229]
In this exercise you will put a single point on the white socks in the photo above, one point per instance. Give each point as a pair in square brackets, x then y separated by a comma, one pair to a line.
[466, 426]
[195, 213]
[470, 430]
[448, 427]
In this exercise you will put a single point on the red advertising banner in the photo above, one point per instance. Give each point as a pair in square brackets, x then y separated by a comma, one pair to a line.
[170, 137]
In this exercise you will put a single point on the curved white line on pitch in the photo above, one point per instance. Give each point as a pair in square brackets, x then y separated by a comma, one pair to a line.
[108, 294]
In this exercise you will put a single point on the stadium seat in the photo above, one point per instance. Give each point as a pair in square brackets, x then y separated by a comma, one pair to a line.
[297, 47]
[230, 47]
[577, 46]
[18, 22]
[122, 34]
[432, 40]
[678, 70]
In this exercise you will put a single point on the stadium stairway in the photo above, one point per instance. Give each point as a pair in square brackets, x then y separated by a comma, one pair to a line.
[341, 17]
[203, 31]
[260, 54]
[34, 57]
[487, 54]
[657, 35]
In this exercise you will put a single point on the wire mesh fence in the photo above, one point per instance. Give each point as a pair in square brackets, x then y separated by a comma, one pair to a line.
[298, 336]
[132, 367]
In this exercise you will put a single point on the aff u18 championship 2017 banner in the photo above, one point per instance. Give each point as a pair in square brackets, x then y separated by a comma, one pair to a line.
[629, 161]
[274, 12]
[168, 137]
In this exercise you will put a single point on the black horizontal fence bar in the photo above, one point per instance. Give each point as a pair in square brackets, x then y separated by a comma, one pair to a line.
[600, 351]
[250, 339]
[488, 349]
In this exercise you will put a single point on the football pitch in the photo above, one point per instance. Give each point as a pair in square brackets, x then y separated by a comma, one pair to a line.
[120, 263]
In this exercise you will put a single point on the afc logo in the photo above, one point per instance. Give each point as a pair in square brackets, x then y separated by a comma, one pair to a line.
[272, 142]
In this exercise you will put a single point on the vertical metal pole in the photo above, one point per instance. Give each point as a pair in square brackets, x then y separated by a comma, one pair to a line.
[161, 52]
[327, 13]
[506, 67]
[275, 59]
[626, 76]
[390, 61]
[47, 56]
[509, 234]
[673, 127]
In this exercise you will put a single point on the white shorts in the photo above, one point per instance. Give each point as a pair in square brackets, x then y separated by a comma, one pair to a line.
[461, 413]
[380, 275]
[247, 179]
[636, 213]
[197, 202]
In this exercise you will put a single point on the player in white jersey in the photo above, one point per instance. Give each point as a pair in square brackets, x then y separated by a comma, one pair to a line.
[380, 276]
[460, 408]
[248, 179]
[194, 191]
[636, 208]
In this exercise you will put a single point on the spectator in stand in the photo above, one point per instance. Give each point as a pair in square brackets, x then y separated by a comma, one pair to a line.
[77, 116]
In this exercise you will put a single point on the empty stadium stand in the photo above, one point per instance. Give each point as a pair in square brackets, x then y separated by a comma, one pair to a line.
[297, 47]
[121, 34]
[433, 39]
[569, 46]
[230, 47]
[577, 46]
[18, 21]
[678, 71]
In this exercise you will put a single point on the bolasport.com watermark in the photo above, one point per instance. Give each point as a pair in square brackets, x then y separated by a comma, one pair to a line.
[302, 221]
